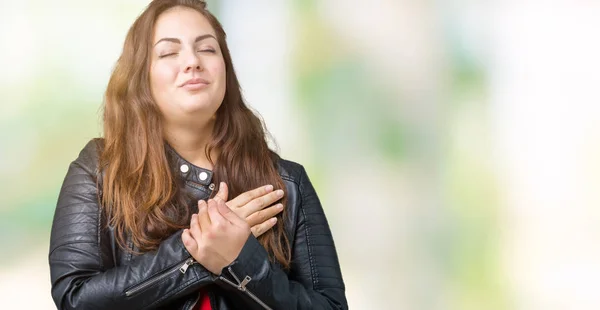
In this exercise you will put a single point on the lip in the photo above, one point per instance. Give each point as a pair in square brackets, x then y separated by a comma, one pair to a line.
[194, 84]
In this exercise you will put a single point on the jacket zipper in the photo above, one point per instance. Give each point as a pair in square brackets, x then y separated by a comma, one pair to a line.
[242, 287]
[194, 303]
[142, 286]
[190, 261]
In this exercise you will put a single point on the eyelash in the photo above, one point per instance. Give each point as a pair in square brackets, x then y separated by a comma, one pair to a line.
[172, 54]
[166, 55]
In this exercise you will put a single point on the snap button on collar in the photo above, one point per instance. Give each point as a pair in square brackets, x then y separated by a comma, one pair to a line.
[184, 168]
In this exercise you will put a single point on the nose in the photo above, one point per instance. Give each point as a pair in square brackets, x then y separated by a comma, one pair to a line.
[192, 63]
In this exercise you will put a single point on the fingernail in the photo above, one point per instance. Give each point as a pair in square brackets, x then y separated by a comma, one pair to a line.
[280, 206]
[269, 188]
[274, 220]
[221, 184]
[279, 193]
[201, 202]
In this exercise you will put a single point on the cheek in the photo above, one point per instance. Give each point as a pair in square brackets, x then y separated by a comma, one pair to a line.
[161, 77]
[218, 71]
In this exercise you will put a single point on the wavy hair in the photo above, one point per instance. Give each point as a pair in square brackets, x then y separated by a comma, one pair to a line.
[139, 189]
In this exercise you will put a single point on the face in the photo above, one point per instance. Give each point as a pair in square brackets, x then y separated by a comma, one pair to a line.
[187, 74]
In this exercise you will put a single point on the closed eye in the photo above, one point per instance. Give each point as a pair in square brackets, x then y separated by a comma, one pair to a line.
[167, 55]
[207, 51]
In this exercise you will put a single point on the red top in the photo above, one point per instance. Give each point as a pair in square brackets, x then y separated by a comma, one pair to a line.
[203, 303]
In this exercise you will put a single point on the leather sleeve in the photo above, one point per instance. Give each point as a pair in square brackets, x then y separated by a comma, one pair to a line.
[80, 276]
[315, 280]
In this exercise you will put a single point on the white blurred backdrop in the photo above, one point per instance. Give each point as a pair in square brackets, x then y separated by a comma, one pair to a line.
[454, 144]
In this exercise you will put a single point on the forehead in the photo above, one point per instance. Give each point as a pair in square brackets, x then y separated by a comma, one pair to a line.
[181, 22]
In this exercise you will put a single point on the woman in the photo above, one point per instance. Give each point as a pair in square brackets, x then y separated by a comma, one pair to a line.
[140, 222]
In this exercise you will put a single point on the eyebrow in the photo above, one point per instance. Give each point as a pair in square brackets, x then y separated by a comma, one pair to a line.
[175, 40]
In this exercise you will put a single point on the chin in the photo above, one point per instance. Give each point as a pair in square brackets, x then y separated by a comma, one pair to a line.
[199, 106]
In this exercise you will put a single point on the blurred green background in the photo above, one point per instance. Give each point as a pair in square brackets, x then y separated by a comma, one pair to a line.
[454, 144]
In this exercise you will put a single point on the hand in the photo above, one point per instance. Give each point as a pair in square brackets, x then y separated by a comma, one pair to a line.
[251, 206]
[216, 235]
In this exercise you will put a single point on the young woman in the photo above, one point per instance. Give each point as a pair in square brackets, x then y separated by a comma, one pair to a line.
[181, 205]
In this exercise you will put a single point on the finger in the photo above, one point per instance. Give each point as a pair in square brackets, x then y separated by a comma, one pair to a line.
[189, 242]
[263, 201]
[223, 192]
[260, 229]
[230, 215]
[203, 218]
[215, 217]
[195, 230]
[246, 197]
[264, 214]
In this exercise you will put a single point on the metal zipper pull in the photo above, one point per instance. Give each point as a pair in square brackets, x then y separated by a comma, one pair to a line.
[242, 286]
[186, 265]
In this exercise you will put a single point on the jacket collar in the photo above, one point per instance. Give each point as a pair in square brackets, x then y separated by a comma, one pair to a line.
[186, 170]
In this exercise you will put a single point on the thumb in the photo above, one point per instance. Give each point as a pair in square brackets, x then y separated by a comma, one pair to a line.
[228, 214]
[222, 193]
[189, 242]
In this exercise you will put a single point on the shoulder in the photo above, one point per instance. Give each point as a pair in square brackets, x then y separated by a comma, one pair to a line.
[291, 171]
[89, 156]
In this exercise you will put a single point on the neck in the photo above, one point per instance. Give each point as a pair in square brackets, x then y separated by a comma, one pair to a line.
[190, 141]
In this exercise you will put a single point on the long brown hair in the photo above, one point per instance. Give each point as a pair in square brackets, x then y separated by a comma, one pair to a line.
[139, 189]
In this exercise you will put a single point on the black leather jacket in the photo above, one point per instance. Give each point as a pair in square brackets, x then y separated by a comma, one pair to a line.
[89, 271]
